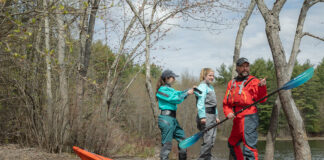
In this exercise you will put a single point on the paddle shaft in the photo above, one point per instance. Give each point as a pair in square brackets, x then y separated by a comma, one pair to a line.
[244, 108]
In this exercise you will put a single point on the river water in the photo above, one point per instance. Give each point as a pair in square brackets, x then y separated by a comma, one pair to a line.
[283, 150]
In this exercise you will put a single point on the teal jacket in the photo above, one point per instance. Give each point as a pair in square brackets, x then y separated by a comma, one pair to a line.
[206, 99]
[169, 98]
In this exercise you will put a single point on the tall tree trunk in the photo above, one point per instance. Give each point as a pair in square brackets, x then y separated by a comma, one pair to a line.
[63, 108]
[86, 36]
[80, 82]
[148, 82]
[239, 35]
[48, 63]
[49, 95]
[272, 132]
[90, 32]
[295, 122]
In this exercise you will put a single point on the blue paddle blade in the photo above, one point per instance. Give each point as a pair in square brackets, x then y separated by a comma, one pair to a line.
[190, 141]
[300, 79]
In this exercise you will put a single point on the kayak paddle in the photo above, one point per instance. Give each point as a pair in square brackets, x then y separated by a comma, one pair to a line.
[299, 80]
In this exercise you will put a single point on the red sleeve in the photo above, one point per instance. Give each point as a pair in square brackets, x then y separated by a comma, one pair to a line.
[259, 91]
[226, 107]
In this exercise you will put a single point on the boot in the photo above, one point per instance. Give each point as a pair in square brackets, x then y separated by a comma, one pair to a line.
[165, 150]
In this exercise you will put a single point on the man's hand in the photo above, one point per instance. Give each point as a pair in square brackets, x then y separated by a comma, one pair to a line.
[230, 116]
[217, 120]
[263, 82]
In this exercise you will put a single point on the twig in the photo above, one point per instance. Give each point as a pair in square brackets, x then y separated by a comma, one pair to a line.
[311, 35]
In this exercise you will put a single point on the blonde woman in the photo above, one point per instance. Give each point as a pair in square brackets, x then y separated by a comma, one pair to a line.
[207, 112]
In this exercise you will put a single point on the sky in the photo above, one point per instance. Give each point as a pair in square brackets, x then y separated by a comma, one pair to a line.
[189, 51]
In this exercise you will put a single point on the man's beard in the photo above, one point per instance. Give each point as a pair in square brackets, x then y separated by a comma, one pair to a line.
[244, 74]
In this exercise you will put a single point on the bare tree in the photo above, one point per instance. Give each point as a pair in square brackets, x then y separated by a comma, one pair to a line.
[114, 74]
[151, 22]
[239, 35]
[272, 132]
[147, 29]
[63, 106]
[87, 23]
[49, 94]
[295, 122]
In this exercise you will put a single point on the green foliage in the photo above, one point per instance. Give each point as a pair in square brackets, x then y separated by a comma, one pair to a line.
[264, 117]
[156, 71]
[102, 58]
[307, 98]
[224, 74]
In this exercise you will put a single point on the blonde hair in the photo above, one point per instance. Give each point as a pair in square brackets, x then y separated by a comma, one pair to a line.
[204, 72]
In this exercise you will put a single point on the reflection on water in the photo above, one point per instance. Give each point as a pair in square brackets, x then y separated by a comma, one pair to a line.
[283, 150]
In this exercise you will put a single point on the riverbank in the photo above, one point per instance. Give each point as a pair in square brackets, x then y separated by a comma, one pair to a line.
[289, 138]
[262, 138]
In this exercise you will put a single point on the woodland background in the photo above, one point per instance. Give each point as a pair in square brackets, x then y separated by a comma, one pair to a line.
[59, 88]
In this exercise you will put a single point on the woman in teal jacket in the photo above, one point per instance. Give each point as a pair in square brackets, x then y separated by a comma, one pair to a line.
[168, 99]
[207, 112]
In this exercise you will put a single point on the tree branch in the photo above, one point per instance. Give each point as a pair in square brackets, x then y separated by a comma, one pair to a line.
[136, 13]
[278, 5]
[299, 34]
[153, 11]
[263, 8]
[311, 35]
[239, 36]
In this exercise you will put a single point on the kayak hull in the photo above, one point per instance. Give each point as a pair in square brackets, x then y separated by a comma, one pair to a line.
[85, 155]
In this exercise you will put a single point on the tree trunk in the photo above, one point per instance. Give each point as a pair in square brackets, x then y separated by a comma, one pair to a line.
[48, 64]
[49, 96]
[239, 36]
[89, 36]
[295, 122]
[86, 36]
[148, 82]
[80, 82]
[63, 108]
[272, 132]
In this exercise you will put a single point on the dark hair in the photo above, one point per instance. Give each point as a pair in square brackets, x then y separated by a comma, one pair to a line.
[160, 83]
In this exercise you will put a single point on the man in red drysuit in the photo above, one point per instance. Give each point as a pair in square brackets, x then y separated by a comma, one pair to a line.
[242, 91]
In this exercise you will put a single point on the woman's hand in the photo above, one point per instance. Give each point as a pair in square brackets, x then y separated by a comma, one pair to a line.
[190, 91]
[217, 120]
[203, 121]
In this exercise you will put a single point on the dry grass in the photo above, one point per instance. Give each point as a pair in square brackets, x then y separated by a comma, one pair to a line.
[13, 152]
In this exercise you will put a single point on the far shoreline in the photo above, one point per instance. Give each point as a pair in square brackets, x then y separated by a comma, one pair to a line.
[277, 139]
